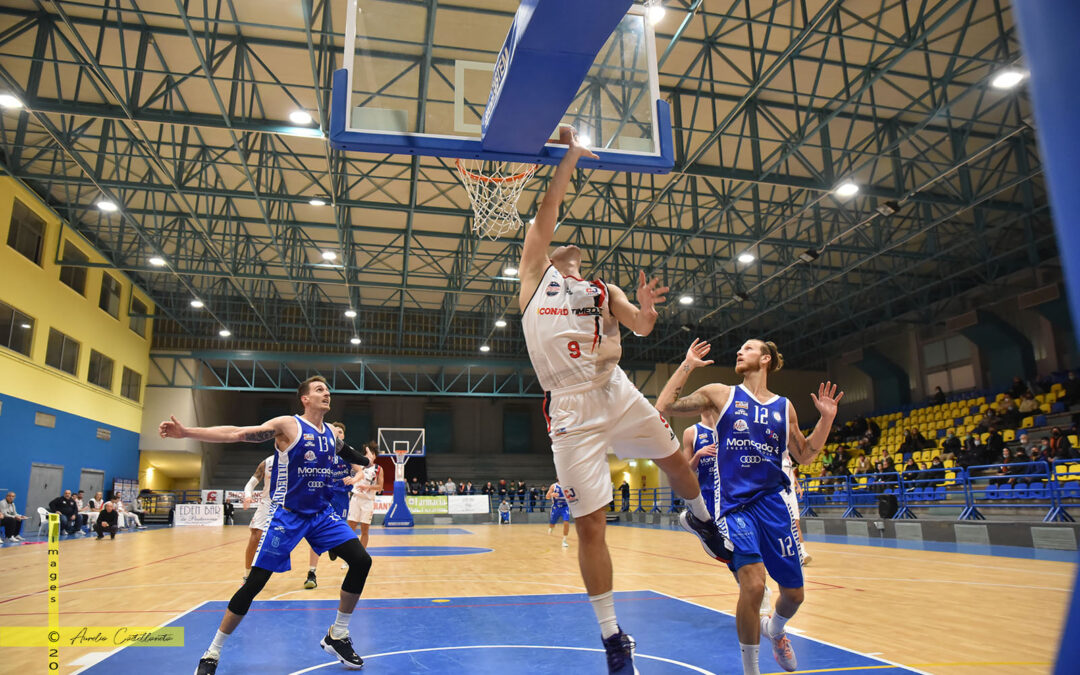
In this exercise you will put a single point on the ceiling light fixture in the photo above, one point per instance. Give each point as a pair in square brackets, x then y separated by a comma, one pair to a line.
[655, 13]
[351, 313]
[1007, 79]
[197, 304]
[157, 261]
[686, 300]
[300, 117]
[846, 189]
[107, 206]
[355, 340]
[741, 296]
[329, 255]
[500, 323]
[485, 348]
[510, 271]
[224, 332]
[809, 255]
[315, 201]
[9, 101]
[746, 257]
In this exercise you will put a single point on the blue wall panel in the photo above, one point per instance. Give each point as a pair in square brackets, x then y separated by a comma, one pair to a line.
[72, 444]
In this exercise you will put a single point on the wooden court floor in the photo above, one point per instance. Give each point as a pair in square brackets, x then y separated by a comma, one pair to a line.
[946, 613]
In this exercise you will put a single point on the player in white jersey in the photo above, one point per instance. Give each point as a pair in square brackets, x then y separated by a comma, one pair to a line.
[262, 514]
[367, 482]
[571, 328]
[792, 499]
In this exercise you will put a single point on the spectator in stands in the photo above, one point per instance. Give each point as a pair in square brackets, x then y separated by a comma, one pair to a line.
[130, 518]
[227, 511]
[84, 519]
[859, 426]
[1039, 453]
[994, 444]
[1028, 404]
[1025, 442]
[140, 512]
[522, 492]
[1060, 448]
[468, 489]
[939, 396]
[972, 452]
[1072, 389]
[988, 420]
[837, 463]
[96, 503]
[451, 486]
[489, 489]
[862, 465]
[12, 521]
[1008, 415]
[107, 520]
[534, 497]
[910, 445]
[1017, 388]
[912, 472]
[950, 447]
[504, 489]
[624, 490]
[414, 486]
[936, 473]
[69, 513]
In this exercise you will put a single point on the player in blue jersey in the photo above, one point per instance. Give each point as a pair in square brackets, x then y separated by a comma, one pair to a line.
[300, 509]
[699, 448]
[338, 494]
[559, 509]
[754, 428]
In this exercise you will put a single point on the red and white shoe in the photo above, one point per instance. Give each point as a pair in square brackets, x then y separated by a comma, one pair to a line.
[781, 646]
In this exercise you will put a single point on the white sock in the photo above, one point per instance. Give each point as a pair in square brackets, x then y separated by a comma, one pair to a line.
[750, 659]
[341, 625]
[604, 606]
[311, 569]
[214, 649]
[777, 623]
[698, 508]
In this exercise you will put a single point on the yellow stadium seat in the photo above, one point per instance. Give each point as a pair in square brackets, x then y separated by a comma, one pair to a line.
[950, 463]
[999, 397]
[984, 436]
[1073, 440]
[1058, 388]
[1027, 422]
[1045, 408]
[1008, 435]
[950, 476]
[983, 408]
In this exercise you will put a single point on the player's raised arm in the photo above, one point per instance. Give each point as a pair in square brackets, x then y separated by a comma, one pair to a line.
[253, 481]
[279, 426]
[534, 252]
[642, 317]
[550, 491]
[804, 449]
[705, 398]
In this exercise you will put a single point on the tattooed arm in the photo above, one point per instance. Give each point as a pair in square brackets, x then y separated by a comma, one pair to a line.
[284, 427]
[669, 402]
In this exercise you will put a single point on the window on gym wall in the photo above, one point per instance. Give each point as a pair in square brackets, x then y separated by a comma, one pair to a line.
[27, 232]
[16, 329]
[137, 316]
[949, 364]
[62, 353]
[130, 384]
[110, 295]
[74, 277]
[100, 372]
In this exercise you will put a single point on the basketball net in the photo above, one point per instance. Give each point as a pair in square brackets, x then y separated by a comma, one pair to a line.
[400, 458]
[494, 188]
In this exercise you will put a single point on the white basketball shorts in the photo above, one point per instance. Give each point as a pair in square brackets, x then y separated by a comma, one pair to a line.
[361, 510]
[792, 501]
[262, 517]
[585, 420]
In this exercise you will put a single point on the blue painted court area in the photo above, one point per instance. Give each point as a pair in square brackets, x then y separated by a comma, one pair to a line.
[381, 531]
[504, 634]
[408, 551]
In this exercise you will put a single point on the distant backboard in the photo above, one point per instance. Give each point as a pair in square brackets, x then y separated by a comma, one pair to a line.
[394, 97]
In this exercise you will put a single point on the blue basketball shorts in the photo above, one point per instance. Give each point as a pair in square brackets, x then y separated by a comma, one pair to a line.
[764, 531]
[559, 512]
[339, 502]
[323, 531]
[709, 495]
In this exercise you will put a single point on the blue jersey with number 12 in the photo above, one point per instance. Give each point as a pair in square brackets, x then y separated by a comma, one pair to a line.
[705, 436]
[752, 438]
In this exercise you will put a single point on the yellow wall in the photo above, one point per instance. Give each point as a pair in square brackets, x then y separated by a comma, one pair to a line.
[37, 291]
[634, 470]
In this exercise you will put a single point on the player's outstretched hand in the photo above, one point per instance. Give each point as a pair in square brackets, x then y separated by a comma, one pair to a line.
[171, 428]
[826, 399]
[695, 356]
[569, 136]
[650, 293]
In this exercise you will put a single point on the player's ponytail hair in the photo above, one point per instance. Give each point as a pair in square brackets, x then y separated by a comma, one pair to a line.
[776, 360]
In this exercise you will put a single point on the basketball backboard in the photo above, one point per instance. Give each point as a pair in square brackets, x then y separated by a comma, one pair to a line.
[418, 80]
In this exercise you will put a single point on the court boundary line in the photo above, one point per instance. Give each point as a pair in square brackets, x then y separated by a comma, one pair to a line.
[802, 635]
[160, 625]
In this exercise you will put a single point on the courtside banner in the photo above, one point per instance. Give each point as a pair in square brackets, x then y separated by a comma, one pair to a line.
[382, 503]
[468, 503]
[200, 515]
[430, 504]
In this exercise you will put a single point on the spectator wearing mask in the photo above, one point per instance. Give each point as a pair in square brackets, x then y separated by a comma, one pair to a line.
[1060, 448]
[69, 512]
[11, 519]
[950, 447]
[1008, 415]
[107, 521]
[912, 473]
[936, 473]
[972, 452]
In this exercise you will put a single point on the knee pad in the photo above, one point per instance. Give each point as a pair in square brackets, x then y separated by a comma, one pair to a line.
[359, 562]
[241, 599]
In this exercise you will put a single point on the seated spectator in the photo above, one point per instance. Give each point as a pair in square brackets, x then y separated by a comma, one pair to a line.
[130, 519]
[1008, 415]
[12, 521]
[139, 511]
[451, 486]
[522, 491]
[862, 465]
[468, 489]
[988, 420]
[69, 513]
[1017, 388]
[84, 519]
[912, 472]
[939, 396]
[936, 473]
[96, 503]
[1060, 448]
[950, 446]
[414, 486]
[1072, 389]
[489, 489]
[1039, 454]
[994, 444]
[1004, 470]
[1028, 404]
[972, 452]
[107, 520]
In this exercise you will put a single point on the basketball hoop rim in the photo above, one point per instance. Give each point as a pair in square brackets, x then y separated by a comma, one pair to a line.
[471, 175]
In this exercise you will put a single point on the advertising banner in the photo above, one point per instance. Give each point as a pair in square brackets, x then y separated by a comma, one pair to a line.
[201, 515]
[468, 503]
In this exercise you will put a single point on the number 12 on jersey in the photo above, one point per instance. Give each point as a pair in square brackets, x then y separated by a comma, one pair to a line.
[761, 415]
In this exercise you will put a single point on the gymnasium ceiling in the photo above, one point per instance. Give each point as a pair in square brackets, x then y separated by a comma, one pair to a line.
[179, 112]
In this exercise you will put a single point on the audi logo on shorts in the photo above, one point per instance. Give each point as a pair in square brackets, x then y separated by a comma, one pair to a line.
[747, 460]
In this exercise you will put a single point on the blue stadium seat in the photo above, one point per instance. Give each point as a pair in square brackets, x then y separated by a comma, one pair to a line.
[1040, 420]
[973, 410]
[940, 494]
[991, 492]
[1071, 490]
[1038, 491]
[1059, 407]
[957, 421]
[1020, 491]
[1004, 491]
